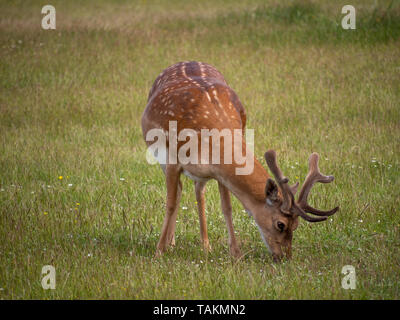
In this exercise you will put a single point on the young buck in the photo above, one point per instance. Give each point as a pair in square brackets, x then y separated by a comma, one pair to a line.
[197, 97]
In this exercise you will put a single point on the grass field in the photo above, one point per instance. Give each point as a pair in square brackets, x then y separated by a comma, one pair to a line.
[77, 193]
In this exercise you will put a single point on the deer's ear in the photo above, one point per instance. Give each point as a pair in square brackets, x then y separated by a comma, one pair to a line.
[271, 192]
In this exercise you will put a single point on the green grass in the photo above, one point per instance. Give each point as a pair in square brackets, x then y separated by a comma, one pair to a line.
[70, 105]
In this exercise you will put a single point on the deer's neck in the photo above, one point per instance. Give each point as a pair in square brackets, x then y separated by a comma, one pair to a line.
[249, 189]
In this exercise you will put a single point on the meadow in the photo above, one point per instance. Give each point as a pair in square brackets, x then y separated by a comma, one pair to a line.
[77, 193]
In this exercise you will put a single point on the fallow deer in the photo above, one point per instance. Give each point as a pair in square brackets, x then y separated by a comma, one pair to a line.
[196, 96]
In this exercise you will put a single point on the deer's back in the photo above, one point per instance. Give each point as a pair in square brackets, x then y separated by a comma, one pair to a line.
[196, 95]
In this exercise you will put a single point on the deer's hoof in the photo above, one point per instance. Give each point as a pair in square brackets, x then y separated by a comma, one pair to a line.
[235, 252]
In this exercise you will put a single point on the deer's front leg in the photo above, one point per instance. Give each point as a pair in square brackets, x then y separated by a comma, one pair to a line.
[200, 188]
[173, 194]
[227, 211]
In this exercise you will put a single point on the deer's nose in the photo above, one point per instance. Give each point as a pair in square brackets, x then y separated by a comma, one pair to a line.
[285, 252]
[288, 252]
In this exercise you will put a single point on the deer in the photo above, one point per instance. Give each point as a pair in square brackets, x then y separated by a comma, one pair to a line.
[196, 96]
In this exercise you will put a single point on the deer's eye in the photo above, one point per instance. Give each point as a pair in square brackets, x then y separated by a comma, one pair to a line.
[281, 226]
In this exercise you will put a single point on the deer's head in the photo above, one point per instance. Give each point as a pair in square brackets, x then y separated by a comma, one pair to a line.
[279, 216]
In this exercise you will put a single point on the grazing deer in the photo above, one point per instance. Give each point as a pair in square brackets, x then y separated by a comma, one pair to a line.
[196, 96]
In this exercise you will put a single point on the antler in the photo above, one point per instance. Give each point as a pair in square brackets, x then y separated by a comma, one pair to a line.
[301, 206]
[270, 157]
[314, 175]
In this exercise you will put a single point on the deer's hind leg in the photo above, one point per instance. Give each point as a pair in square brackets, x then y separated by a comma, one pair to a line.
[171, 230]
[200, 188]
[174, 191]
